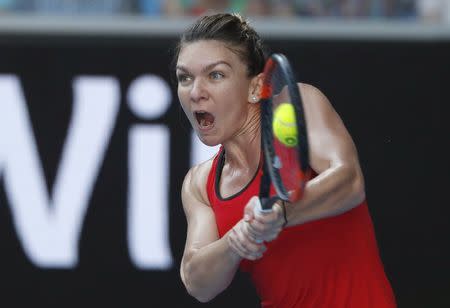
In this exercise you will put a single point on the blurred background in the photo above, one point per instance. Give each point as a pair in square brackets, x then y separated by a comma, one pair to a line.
[94, 146]
[435, 11]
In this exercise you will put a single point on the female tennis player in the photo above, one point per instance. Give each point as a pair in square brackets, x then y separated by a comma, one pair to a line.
[320, 251]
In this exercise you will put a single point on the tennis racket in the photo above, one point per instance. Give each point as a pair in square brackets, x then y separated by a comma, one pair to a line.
[286, 163]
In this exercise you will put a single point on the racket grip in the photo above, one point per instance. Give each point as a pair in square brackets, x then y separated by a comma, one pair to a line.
[259, 208]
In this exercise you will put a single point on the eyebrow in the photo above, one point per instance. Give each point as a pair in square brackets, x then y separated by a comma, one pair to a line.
[206, 68]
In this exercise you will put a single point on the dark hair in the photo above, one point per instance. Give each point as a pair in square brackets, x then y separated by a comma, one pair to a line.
[234, 31]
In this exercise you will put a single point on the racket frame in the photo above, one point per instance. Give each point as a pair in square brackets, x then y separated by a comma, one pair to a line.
[270, 172]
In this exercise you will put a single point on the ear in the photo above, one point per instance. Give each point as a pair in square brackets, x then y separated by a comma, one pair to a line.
[254, 91]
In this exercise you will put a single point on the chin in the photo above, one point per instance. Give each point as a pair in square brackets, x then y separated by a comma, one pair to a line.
[210, 141]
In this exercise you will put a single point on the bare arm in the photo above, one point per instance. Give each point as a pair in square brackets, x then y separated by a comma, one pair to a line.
[209, 263]
[339, 185]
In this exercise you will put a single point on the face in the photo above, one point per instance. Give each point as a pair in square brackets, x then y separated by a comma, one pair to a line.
[214, 90]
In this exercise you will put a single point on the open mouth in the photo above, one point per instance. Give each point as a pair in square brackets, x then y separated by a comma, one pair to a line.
[204, 119]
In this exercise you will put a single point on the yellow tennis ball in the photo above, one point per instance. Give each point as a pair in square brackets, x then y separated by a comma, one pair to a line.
[284, 125]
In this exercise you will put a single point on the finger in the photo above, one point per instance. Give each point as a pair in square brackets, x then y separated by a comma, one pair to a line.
[258, 228]
[251, 234]
[266, 217]
[275, 217]
[238, 246]
[278, 210]
[273, 235]
[233, 244]
[265, 232]
[258, 211]
[249, 209]
[247, 243]
[251, 244]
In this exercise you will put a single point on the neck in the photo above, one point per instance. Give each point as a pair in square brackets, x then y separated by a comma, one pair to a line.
[243, 150]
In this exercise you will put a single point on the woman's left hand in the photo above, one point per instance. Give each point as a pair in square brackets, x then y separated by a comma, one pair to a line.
[263, 226]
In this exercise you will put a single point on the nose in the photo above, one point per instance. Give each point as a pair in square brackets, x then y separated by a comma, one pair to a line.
[198, 90]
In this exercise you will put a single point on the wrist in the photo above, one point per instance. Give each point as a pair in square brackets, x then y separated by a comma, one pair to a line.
[231, 251]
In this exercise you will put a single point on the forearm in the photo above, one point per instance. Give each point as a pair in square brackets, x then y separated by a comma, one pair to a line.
[333, 192]
[209, 270]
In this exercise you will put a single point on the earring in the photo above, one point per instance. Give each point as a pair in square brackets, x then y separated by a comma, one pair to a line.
[254, 98]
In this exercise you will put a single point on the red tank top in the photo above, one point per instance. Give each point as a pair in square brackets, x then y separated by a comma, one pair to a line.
[331, 262]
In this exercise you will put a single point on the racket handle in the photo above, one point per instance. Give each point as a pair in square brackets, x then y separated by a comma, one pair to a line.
[259, 208]
[264, 206]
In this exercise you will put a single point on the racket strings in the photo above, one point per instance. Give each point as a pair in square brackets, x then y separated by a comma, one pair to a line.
[286, 169]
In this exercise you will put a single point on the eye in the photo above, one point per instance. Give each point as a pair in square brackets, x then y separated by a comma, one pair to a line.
[183, 78]
[216, 75]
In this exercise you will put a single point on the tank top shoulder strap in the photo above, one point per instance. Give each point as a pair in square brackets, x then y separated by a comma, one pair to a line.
[210, 184]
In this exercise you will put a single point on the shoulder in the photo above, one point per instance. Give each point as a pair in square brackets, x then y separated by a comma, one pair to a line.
[195, 181]
[311, 93]
[316, 103]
